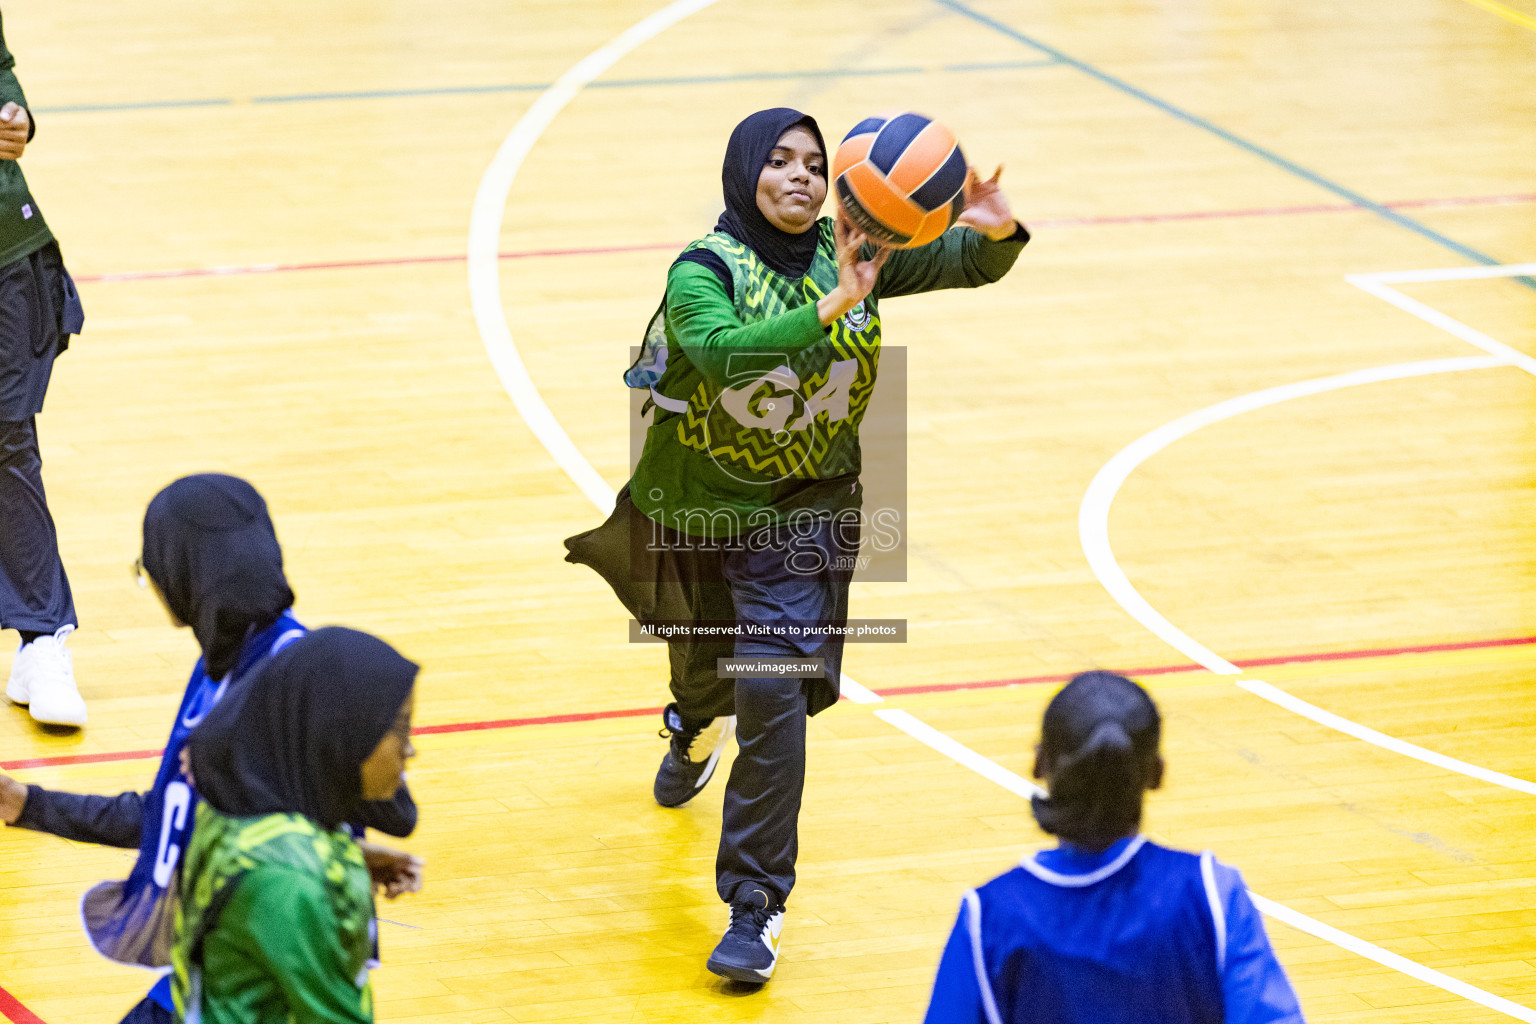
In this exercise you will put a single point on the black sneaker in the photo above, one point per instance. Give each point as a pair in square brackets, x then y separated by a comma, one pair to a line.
[750, 949]
[691, 761]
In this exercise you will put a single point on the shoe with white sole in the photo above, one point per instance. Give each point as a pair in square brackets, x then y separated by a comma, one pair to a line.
[691, 761]
[750, 949]
[43, 678]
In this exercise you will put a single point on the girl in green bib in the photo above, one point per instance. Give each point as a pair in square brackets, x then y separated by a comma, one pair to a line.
[744, 512]
[276, 915]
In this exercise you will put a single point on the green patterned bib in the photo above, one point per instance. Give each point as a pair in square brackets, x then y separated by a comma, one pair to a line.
[780, 432]
[226, 849]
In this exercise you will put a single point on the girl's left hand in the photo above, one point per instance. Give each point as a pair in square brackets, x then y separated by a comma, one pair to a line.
[986, 208]
[855, 277]
[396, 870]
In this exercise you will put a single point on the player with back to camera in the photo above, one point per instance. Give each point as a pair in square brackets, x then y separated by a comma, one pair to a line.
[211, 555]
[1108, 927]
[736, 512]
[39, 310]
[276, 919]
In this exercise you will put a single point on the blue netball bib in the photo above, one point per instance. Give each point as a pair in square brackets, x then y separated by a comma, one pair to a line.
[133, 921]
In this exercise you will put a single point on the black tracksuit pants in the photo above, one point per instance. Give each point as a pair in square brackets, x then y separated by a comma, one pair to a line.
[793, 579]
[778, 576]
[37, 301]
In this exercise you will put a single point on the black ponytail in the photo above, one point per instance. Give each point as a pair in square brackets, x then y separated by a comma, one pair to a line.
[1099, 751]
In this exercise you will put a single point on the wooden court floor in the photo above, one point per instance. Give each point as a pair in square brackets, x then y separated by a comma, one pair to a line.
[268, 207]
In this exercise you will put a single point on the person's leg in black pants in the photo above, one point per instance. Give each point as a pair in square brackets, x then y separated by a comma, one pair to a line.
[35, 597]
[34, 590]
[701, 719]
[759, 835]
[661, 575]
[802, 580]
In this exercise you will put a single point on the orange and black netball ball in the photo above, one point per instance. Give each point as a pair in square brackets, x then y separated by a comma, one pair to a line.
[900, 178]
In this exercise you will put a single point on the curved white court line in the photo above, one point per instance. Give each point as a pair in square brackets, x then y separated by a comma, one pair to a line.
[485, 234]
[1275, 695]
[1093, 530]
[490, 317]
[1093, 514]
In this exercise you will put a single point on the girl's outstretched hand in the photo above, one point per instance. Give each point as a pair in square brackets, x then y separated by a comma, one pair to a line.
[13, 799]
[855, 277]
[986, 208]
[395, 870]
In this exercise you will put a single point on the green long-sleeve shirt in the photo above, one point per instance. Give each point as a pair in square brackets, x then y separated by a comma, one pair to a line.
[708, 330]
[22, 229]
[285, 911]
[728, 450]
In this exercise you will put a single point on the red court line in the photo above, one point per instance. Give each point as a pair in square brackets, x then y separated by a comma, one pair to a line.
[892, 691]
[1058, 677]
[401, 261]
[1283, 659]
[12, 1007]
[48, 762]
[513, 723]
[1390, 652]
[1060, 222]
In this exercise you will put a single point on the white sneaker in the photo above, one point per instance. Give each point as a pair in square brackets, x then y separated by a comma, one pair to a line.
[43, 678]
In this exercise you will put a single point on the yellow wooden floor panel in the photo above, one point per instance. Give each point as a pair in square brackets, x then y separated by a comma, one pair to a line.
[1171, 269]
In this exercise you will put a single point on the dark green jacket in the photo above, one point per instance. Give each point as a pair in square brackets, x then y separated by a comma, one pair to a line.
[22, 228]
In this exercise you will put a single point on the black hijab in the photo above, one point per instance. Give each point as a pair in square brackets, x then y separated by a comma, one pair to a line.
[745, 156]
[294, 738]
[210, 547]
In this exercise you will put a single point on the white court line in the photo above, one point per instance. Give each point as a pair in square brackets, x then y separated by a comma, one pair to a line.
[1428, 975]
[1275, 695]
[1093, 515]
[1447, 274]
[1373, 284]
[485, 231]
[1093, 531]
[490, 317]
[1015, 783]
[957, 751]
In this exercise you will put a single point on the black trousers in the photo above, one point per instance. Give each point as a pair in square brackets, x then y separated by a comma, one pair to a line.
[34, 590]
[35, 298]
[777, 576]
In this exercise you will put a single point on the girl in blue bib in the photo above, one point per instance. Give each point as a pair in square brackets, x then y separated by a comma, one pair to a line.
[1108, 927]
[211, 555]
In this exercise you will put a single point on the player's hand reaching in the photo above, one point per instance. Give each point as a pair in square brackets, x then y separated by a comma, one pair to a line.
[13, 798]
[986, 208]
[15, 125]
[855, 277]
[396, 870]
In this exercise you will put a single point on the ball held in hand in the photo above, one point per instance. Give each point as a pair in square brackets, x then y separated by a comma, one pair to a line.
[900, 178]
